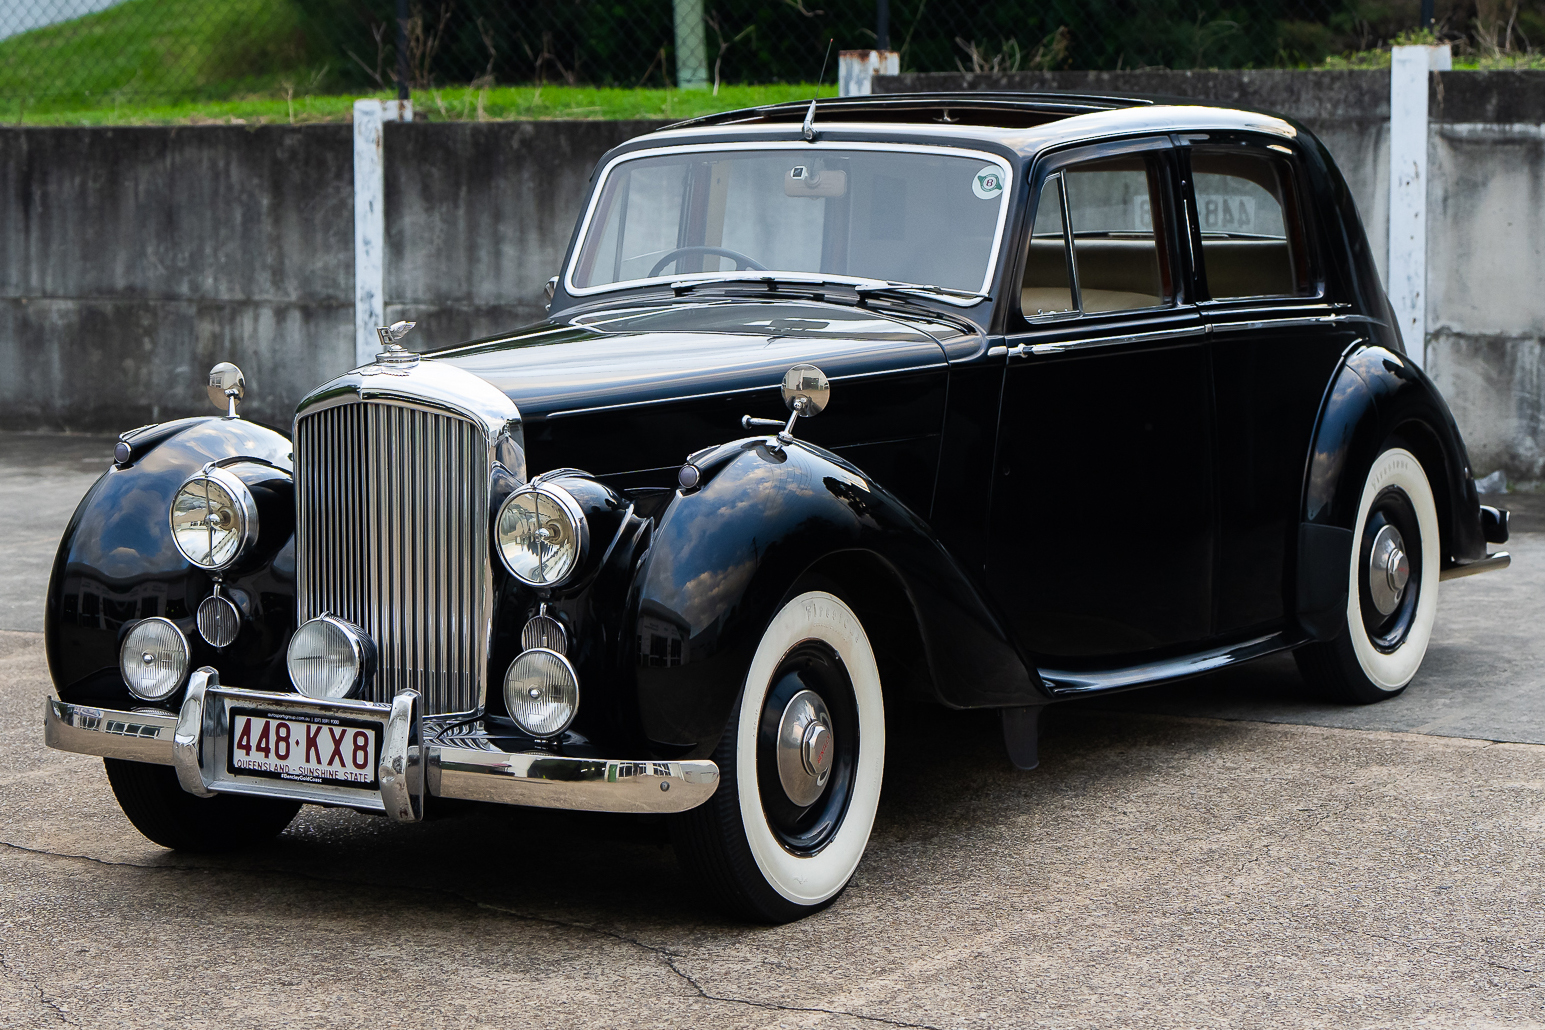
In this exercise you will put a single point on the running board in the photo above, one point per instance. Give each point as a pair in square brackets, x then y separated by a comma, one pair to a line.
[1490, 563]
[1168, 670]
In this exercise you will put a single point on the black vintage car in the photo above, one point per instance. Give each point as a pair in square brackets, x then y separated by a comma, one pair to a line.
[978, 400]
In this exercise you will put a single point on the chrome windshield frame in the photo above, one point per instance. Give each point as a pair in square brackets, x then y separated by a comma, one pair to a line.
[798, 146]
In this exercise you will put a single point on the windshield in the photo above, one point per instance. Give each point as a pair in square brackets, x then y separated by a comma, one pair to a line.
[909, 216]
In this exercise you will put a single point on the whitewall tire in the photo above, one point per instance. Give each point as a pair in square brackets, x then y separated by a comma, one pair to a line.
[801, 765]
[1392, 596]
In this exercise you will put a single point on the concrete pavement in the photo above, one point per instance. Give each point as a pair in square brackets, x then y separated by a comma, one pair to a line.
[1199, 857]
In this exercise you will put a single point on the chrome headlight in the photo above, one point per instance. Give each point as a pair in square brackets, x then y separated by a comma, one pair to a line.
[542, 535]
[541, 692]
[154, 659]
[214, 519]
[330, 659]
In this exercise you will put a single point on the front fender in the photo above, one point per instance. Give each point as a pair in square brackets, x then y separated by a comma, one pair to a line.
[727, 554]
[1376, 394]
[117, 564]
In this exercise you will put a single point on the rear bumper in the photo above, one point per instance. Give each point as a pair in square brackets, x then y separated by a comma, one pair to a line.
[1491, 563]
[414, 761]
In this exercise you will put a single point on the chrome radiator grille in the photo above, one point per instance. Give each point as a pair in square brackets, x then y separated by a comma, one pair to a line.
[392, 535]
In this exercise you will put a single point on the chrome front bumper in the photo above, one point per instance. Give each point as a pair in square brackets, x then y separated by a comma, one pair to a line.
[196, 743]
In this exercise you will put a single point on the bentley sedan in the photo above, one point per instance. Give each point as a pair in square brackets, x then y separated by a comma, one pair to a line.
[974, 400]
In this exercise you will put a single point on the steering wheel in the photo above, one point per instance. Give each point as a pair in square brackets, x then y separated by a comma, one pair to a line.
[742, 262]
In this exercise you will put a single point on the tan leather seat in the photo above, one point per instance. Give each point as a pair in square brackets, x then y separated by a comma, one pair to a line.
[1248, 268]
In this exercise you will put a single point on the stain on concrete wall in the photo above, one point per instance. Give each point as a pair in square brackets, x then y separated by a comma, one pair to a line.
[133, 259]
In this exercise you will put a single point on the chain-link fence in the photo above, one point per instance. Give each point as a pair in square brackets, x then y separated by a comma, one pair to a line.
[94, 50]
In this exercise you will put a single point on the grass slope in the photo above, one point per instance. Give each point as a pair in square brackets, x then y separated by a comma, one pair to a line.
[214, 48]
[453, 104]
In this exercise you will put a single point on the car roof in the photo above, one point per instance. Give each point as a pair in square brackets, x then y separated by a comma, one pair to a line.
[1022, 122]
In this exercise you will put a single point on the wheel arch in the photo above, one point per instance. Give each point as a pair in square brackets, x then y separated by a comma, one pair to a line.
[886, 606]
[1375, 395]
[726, 554]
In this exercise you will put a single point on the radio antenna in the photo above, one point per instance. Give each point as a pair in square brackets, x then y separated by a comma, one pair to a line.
[808, 129]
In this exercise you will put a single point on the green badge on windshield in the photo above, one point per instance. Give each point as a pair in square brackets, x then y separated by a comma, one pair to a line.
[988, 184]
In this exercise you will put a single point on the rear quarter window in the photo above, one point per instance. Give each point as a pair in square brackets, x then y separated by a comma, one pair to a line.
[1251, 223]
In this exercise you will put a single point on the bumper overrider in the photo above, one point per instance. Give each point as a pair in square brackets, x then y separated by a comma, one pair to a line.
[415, 757]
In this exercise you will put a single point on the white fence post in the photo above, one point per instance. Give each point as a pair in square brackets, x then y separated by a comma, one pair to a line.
[370, 221]
[856, 70]
[1408, 79]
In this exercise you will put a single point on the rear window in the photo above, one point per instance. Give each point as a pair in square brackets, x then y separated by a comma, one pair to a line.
[1253, 242]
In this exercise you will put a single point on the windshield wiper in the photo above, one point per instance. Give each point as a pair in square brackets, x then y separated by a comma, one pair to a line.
[771, 282]
[964, 298]
[865, 288]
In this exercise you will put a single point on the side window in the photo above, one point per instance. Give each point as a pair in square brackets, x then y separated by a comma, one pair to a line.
[1047, 289]
[1110, 214]
[1253, 242]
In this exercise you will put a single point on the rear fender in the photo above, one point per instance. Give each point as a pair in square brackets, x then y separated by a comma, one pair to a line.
[727, 554]
[1376, 394]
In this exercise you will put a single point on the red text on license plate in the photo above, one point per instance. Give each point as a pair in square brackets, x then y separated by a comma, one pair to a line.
[299, 750]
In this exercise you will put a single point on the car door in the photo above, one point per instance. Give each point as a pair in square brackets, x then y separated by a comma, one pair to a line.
[1276, 338]
[1101, 517]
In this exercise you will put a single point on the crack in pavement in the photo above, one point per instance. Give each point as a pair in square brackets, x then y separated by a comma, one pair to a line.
[670, 960]
[1450, 955]
[58, 1010]
[660, 952]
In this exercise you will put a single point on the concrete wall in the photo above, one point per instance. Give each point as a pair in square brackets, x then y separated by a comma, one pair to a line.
[132, 259]
[1485, 343]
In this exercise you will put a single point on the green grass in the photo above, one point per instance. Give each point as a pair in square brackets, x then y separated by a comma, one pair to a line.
[214, 48]
[454, 103]
[249, 61]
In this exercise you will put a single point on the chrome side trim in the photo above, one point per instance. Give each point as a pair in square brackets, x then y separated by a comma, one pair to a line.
[1292, 322]
[131, 736]
[1491, 563]
[1072, 684]
[544, 780]
[1025, 350]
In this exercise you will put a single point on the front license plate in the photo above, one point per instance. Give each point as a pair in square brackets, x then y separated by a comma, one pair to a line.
[306, 749]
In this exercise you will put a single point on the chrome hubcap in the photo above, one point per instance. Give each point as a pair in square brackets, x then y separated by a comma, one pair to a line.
[806, 747]
[1389, 570]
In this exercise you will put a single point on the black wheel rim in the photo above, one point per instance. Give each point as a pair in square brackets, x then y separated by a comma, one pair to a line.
[1387, 632]
[805, 830]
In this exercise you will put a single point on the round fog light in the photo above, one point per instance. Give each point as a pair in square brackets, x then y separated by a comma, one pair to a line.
[154, 659]
[330, 659]
[541, 691]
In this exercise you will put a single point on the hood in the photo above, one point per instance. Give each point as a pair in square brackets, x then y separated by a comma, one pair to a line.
[633, 390]
[639, 355]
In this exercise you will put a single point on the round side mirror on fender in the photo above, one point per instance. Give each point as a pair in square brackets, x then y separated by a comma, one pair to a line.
[808, 384]
[227, 388]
